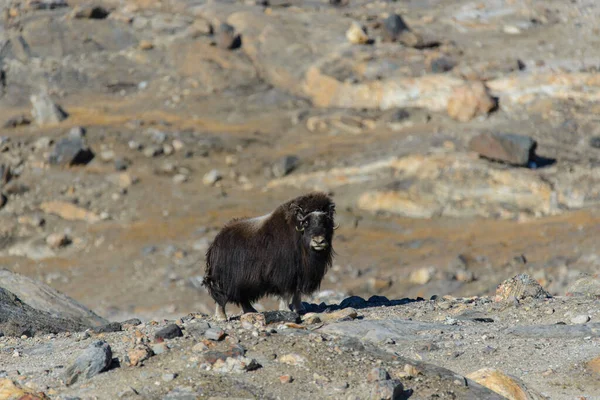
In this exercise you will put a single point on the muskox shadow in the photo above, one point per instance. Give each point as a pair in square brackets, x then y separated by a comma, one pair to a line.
[358, 303]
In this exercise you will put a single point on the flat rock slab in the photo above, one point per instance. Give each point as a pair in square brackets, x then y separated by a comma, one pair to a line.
[46, 299]
[556, 331]
[505, 147]
[380, 330]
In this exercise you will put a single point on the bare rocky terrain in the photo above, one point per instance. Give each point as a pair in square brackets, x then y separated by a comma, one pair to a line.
[459, 140]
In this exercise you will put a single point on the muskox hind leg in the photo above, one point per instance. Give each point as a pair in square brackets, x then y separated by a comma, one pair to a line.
[297, 303]
[247, 307]
[220, 314]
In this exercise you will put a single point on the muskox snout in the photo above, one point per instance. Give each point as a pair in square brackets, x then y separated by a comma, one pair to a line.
[318, 243]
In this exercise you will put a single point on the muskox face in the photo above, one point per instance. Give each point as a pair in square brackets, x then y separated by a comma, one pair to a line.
[316, 228]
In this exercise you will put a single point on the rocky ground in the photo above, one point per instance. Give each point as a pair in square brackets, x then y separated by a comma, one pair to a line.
[458, 139]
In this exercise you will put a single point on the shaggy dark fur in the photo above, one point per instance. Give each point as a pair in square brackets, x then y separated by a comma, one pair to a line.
[250, 259]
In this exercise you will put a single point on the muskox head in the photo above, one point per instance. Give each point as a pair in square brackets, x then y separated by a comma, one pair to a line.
[316, 227]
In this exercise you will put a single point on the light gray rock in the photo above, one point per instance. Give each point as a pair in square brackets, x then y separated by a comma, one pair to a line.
[378, 331]
[45, 110]
[95, 359]
[285, 166]
[46, 299]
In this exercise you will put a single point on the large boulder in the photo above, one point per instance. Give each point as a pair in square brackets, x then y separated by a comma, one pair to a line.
[32, 299]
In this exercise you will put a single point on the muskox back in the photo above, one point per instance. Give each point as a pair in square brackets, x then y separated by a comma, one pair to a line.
[271, 255]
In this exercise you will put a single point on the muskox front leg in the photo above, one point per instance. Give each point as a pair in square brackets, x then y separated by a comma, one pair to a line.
[247, 307]
[220, 314]
[297, 303]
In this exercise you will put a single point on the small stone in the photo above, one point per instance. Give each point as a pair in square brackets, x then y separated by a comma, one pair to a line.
[292, 359]
[107, 155]
[511, 30]
[160, 348]
[468, 101]
[393, 27]
[343, 314]
[387, 390]
[215, 334]
[520, 287]
[422, 276]
[227, 38]
[285, 165]
[231, 160]
[199, 348]
[506, 147]
[178, 145]
[121, 164]
[153, 151]
[236, 365]
[146, 45]
[71, 151]
[87, 11]
[580, 319]
[95, 358]
[411, 370]
[357, 34]
[168, 149]
[110, 327]
[595, 142]
[377, 374]
[137, 355]
[69, 211]
[286, 379]
[45, 111]
[17, 121]
[212, 177]
[170, 331]
[32, 220]
[168, 377]
[57, 240]
[180, 178]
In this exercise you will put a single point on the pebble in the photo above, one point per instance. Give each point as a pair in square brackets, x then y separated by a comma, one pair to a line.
[168, 377]
[387, 390]
[180, 178]
[45, 111]
[357, 34]
[292, 359]
[212, 177]
[468, 101]
[377, 374]
[227, 38]
[215, 334]
[107, 155]
[95, 358]
[285, 165]
[57, 240]
[170, 331]
[422, 275]
[580, 319]
[286, 379]
[137, 355]
[70, 150]
[178, 145]
[153, 151]
[159, 348]
[393, 26]
[236, 365]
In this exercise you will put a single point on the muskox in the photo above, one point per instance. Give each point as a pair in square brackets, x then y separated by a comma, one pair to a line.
[285, 253]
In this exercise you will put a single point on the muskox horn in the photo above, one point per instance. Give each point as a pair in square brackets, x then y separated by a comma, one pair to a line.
[299, 230]
[301, 218]
[336, 226]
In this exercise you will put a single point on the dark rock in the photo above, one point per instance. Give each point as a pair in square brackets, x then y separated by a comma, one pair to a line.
[95, 359]
[441, 65]
[285, 165]
[46, 4]
[506, 147]
[45, 111]
[388, 390]
[17, 121]
[90, 12]
[595, 142]
[211, 357]
[132, 322]
[281, 317]
[378, 299]
[110, 327]
[227, 38]
[354, 302]
[393, 27]
[169, 332]
[71, 150]
[3, 200]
